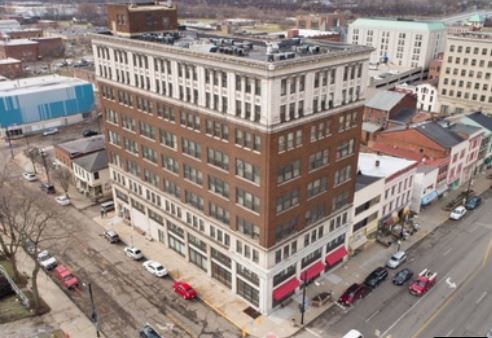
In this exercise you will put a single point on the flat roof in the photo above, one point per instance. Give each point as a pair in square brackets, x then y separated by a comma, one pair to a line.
[385, 100]
[387, 166]
[9, 61]
[257, 49]
[17, 42]
[399, 24]
[37, 84]
[362, 181]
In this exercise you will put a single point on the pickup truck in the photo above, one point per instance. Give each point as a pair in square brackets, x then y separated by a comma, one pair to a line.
[65, 277]
[425, 280]
[46, 260]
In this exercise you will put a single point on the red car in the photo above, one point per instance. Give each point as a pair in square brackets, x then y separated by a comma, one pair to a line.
[353, 294]
[65, 277]
[184, 290]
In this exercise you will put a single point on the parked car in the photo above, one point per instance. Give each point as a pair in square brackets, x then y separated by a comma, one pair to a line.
[353, 334]
[29, 176]
[353, 294]
[65, 277]
[50, 131]
[111, 236]
[321, 299]
[184, 290]
[473, 202]
[62, 200]
[48, 188]
[376, 277]
[148, 332]
[402, 276]
[458, 213]
[397, 259]
[47, 261]
[133, 253]
[107, 206]
[155, 268]
[89, 133]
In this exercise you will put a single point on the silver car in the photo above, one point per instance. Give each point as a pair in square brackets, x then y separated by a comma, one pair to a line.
[397, 259]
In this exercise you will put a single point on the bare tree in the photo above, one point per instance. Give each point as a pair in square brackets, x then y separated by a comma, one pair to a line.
[32, 153]
[44, 160]
[64, 178]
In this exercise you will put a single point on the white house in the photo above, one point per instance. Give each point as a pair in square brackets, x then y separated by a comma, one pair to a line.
[427, 98]
[366, 209]
[398, 177]
[91, 175]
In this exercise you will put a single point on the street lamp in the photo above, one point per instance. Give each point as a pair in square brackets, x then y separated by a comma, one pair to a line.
[303, 305]
[94, 313]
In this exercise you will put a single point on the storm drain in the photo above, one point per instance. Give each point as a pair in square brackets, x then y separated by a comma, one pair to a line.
[252, 312]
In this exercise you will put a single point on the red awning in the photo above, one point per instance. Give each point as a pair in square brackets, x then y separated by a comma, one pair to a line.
[285, 289]
[335, 256]
[312, 271]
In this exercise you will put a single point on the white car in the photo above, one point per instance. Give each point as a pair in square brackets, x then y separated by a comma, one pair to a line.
[29, 176]
[155, 268]
[46, 260]
[458, 213]
[133, 253]
[62, 200]
[50, 131]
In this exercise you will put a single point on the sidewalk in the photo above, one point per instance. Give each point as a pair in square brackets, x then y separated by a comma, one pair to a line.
[279, 323]
[64, 314]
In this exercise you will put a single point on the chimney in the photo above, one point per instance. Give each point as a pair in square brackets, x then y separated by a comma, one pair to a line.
[377, 163]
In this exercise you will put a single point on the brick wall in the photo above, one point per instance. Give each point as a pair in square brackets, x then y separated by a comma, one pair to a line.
[50, 47]
[413, 140]
[12, 70]
[409, 101]
[23, 52]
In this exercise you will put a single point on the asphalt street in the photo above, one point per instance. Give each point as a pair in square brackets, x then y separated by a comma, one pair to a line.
[126, 296]
[460, 304]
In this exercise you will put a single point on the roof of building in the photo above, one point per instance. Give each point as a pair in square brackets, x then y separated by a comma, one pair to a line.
[476, 18]
[385, 100]
[442, 136]
[37, 84]
[396, 151]
[381, 165]
[362, 181]
[482, 119]
[464, 130]
[261, 51]
[17, 42]
[93, 162]
[399, 24]
[9, 61]
[309, 33]
[83, 145]
[404, 115]
[370, 127]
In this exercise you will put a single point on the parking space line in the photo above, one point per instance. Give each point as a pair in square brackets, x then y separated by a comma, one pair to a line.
[445, 253]
[481, 297]
[314, 333]
[449, 333]
[372, 316]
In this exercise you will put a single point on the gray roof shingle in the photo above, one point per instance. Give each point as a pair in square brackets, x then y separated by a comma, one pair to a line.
[442, 136]
[385, 100]
[83, 145]
[93, 162]
[482, 119]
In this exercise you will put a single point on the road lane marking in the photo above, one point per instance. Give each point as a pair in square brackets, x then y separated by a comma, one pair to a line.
[314, 333]
[481, 297]
[445, 253]
[372, 316]
[449, 333]
[470, 277]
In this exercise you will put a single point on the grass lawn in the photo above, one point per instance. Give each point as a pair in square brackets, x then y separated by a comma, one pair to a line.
[12, 310]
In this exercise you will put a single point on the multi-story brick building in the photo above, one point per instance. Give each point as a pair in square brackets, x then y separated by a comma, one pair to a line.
[465, 83]
[237, 155]
[11, 68]
[435, 66]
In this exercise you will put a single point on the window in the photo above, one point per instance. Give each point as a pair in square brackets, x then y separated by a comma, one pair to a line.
[248, 292]
[310, 258]
[343, 175]
[247, 228]
[192, 174]
[128, 123]
[283, 87]
[166, 113]
[289, 171]
[169, 163]
[314, 214]
[194, 200]
[318, 160]
[248, 140]
[347, 121]
[218, 158]
[217, 129]
[317, 187]
[345, 149]
[191, 148]
[222, 275]
[248, 171]
[285, 229]
[147, 130]
[367, 205]
[290, 141]
[149, 154]
[247, 274]
[320, 131]
[247, 200]
[130, 145]
[190, 120]
[172, 188]
[284, 275]
[218, 186]
[220, 257]
[111, 116]
[198, 259]
[167, 138]
[288, 201]
[218, 213]
[340, 201]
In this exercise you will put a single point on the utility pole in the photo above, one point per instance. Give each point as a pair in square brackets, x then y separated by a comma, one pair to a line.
[469, 186]
[94, 313]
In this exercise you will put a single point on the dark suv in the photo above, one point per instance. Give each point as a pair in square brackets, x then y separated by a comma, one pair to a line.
[376, 277]
[48, 188]
[353, 294]
[473, 202]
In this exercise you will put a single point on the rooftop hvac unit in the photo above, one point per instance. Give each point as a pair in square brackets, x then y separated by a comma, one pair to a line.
[302, 49]
[213, 49]
[314, 49]
[290, 55]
